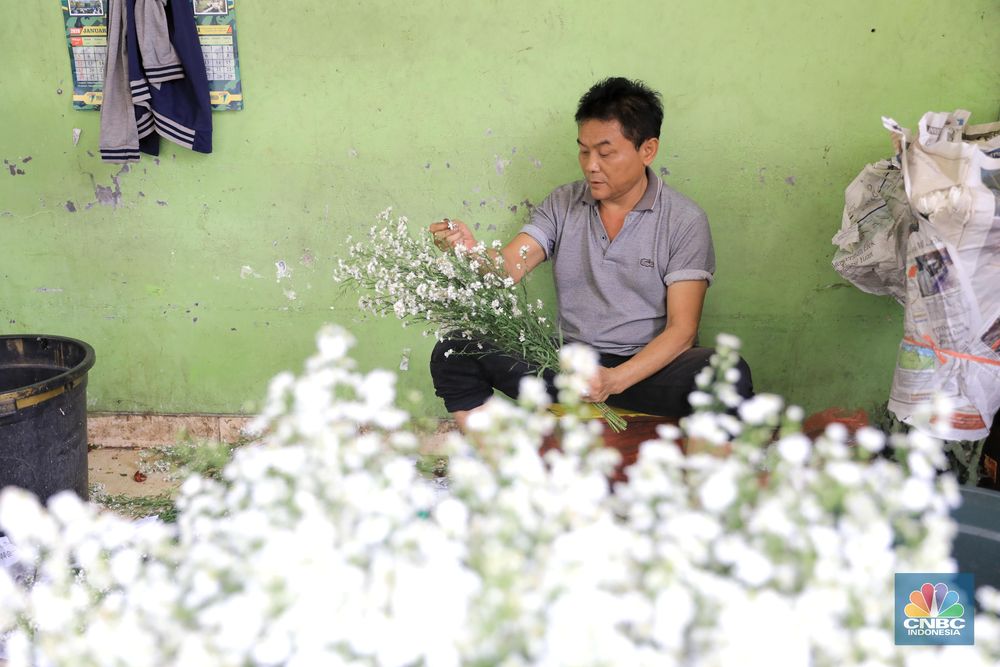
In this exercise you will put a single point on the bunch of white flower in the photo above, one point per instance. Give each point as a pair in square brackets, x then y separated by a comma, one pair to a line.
[462, 293]
[323, 545]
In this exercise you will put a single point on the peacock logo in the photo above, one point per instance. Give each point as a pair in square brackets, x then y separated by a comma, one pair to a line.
[934, 608]
[934, 601]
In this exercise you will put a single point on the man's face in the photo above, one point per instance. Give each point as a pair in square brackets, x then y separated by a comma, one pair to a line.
[611, 163]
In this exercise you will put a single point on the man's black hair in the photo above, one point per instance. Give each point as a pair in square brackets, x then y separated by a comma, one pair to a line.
[633, 104]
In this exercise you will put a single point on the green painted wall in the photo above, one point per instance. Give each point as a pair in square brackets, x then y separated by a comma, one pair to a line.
[464, 109]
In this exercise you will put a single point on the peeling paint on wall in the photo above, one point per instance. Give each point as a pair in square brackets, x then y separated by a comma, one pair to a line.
[70, 206]
[247, 272]
[282, 270]
[13, 168]
[106, 196]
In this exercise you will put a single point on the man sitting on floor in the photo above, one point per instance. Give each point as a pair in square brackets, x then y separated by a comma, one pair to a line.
[632, 260]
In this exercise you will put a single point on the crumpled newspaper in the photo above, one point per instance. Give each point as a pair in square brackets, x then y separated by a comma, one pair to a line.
[926, 230]
[872, 238]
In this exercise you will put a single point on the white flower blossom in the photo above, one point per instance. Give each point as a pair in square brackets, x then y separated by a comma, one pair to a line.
[700, 399]
[761, 409]
[916, 494]
[870, 439]
[324, 544]
[533, 392]
[704, 377]
[719, 491]
[795, 413]
[727, 342]
[705, 426]
[795, 448]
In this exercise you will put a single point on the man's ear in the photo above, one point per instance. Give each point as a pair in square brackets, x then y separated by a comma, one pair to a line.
[648, 150]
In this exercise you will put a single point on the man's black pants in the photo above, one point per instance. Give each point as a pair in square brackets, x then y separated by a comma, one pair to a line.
[466, 378]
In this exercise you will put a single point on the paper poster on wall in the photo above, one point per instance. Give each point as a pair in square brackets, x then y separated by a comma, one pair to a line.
[87, 37]
[216, 21]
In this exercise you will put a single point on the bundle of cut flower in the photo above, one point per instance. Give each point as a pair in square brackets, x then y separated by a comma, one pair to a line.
[463, 293]
[323, 545]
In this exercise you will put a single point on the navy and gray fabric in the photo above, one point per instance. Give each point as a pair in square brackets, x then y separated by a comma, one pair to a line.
[137, 79]
[181, 108]
[119, 141]
[166, 87]
[159, 58]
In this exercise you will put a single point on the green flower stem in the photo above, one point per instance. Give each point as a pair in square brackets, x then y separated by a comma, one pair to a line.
[614, 420]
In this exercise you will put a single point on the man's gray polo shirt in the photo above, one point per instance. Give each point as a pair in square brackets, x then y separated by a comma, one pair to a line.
[612, 294]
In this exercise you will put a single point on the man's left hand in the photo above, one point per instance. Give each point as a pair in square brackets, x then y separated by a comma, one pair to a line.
[604, 383]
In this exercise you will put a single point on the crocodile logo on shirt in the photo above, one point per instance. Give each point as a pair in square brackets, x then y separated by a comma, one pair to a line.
[645, 261]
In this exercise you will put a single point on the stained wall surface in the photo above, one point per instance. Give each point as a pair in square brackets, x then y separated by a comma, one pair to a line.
[171, 268]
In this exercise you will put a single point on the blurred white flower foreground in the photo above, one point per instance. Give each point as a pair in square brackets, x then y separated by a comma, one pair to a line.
[325, 546]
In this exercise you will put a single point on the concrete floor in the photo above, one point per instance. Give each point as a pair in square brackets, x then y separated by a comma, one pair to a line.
[121, 458]
[131, 431]
[123, 445]
[119, 470]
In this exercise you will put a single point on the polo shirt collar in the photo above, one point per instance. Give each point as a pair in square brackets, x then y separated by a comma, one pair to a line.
[649, 198]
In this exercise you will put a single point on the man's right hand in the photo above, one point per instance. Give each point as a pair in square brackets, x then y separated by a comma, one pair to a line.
[450, 233]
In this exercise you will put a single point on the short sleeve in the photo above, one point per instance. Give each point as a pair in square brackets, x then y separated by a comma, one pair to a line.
[543, 227]
[691, 255]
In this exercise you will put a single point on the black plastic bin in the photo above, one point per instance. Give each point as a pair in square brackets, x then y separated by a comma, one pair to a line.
[43, 413]
[977, 544]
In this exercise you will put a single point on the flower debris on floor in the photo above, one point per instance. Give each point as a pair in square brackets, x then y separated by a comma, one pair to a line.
[154, 474]
[170, 465]
[325, 545]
